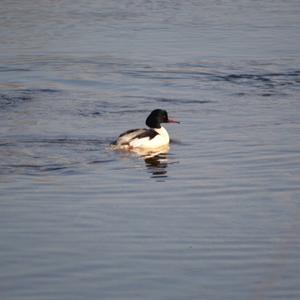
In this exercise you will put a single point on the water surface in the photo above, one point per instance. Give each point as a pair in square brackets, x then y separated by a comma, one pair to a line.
[217, 217]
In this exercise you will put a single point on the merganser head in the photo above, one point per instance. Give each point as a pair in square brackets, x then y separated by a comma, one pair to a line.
[157, 117]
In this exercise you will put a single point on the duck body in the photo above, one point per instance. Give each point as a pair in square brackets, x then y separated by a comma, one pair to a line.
[155, 136]
[143, 138]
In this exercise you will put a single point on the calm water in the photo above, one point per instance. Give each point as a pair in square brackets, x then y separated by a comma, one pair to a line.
[217, 217]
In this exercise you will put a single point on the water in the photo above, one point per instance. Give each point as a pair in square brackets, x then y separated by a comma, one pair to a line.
[217, 217]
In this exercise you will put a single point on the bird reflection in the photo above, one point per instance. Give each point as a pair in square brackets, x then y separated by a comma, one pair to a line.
[156, 161]
[157, 165]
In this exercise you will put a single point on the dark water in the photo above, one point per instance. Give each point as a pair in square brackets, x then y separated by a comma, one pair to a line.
[217, 217]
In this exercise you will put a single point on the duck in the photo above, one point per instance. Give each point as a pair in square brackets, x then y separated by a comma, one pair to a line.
[154, 137]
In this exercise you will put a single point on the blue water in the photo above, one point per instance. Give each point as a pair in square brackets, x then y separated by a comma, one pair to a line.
[217, 217]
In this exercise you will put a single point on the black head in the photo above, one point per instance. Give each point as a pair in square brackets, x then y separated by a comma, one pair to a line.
[157, 117]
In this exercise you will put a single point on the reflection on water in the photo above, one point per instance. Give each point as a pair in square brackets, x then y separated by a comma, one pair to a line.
[157, 164]
[156, 160]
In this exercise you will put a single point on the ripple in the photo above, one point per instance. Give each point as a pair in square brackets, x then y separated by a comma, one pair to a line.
[10, 69]
[64, 141]
[17, 96]
[59, 155]
[12, 101]
[173, 100]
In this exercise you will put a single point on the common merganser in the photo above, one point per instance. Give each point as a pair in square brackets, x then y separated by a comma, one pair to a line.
[155, 136]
